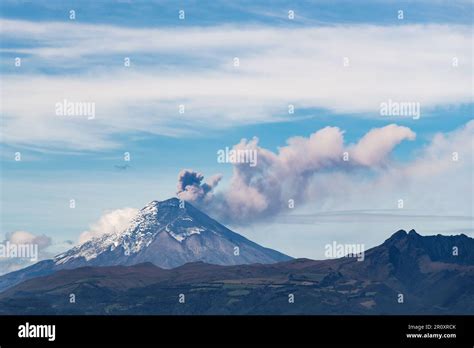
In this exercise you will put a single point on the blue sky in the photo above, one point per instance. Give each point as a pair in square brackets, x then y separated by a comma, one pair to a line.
[190, 62]
[160, 13]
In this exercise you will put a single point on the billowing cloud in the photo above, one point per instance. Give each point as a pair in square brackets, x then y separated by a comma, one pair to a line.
[260, 191]
[377, 143]
[191, 188]
[114, 221]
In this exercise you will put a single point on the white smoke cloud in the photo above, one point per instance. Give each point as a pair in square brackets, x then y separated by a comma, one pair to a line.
[378, 143]
[437, 193]
[265, 190]
[111, 222]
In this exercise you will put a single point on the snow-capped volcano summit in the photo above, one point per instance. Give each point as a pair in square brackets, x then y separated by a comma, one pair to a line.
[169, 234]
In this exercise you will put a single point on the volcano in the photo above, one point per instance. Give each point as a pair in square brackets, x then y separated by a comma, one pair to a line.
[167, 234]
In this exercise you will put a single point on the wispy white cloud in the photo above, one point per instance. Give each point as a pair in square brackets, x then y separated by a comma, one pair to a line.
[378, 143]
[278, 66]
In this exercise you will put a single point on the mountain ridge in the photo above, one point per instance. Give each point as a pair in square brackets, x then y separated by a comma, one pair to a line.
[400, 265]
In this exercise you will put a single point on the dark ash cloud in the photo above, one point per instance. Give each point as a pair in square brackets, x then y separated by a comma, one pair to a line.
[191, 188]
